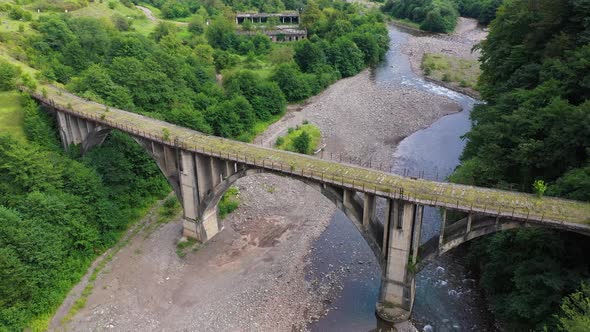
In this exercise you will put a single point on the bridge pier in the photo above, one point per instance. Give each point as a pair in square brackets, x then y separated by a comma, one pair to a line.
[400, 247]
[74, 130]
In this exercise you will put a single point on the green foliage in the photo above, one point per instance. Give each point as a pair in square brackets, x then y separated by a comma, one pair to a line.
[265, 97]
[539, 187]
[533, 125]
[170, 207]
[346, 57]
[432, 15]
[303, 139]
[166, 134]
[172, 74]
[231, 118]
[175, 9]
[229, 202]
[291, 82]
[57, 214]
[302, 143]
[483, 10]
[196, 25]
[280, 141]
[575, 311]
[525, 273]
[8, 75]
[574, 184]
[311, 15]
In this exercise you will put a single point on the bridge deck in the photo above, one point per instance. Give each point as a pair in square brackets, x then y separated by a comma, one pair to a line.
[467, 198]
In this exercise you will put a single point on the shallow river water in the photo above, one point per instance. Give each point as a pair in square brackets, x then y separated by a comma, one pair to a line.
[447, 298]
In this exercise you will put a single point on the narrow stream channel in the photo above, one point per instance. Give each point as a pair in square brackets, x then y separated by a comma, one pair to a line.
[448, 298]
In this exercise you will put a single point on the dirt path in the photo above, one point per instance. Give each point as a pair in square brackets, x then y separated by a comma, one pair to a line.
[148, 13]
[144, 225]
[248, 278]
[150, 16]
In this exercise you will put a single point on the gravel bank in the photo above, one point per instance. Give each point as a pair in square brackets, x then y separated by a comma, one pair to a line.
[459, 44]
[361, 119]
[248, 278]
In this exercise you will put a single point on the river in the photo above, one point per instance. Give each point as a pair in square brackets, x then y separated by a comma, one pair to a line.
[447, 297]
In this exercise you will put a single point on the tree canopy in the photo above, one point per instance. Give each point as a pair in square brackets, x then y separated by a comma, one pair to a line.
[533, 126]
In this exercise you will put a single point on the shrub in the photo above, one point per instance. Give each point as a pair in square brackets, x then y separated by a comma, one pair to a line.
[280, 141]
[302, 143]
[539, 188]
[8, 75]
[229, 202]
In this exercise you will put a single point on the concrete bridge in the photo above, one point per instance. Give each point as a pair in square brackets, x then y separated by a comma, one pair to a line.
[201, 168]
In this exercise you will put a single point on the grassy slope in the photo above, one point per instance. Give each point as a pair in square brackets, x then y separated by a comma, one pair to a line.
[96, 9]
[11, 115]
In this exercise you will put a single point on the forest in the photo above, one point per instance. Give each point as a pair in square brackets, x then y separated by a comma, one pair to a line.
[441, 15]
[171, 74]
[534, 126]
[60, 210]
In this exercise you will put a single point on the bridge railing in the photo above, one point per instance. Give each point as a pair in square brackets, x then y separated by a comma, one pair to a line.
[385, 187]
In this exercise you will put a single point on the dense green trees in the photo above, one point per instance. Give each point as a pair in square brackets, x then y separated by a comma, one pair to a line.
[483, 10]
[432, 15]
[533, 126]
[441, 15]
[173, 76]
[57, 213]
[575, 311]
[526, 273]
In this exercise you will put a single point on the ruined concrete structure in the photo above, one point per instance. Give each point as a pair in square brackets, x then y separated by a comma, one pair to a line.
[281, 33]
[200, 168]
[291, 17]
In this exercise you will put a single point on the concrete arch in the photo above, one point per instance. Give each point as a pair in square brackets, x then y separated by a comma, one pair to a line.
[349, 203]
[473, 227]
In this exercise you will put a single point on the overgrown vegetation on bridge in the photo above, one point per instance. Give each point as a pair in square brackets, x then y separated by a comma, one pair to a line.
[534, 126]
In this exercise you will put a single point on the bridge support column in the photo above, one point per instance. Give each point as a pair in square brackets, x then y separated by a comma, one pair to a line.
[398, 283]
[368, 209]
[74, 130]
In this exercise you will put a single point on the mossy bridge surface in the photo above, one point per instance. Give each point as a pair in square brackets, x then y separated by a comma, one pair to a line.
[201, 167]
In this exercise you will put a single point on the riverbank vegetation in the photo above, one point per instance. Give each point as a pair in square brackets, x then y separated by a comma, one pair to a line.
[305, 138]
[229, 202]
[449, 69]
[533, 126]
[441, 15]
[58, 211]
